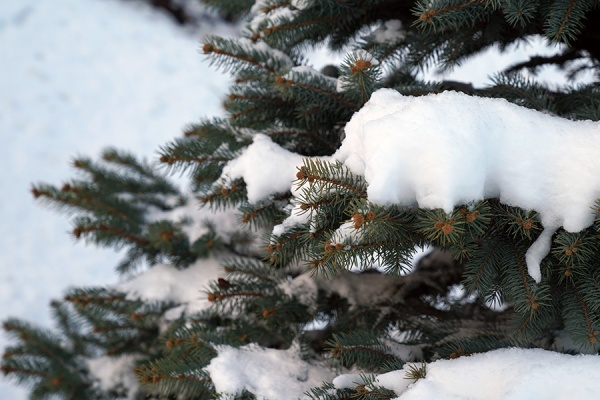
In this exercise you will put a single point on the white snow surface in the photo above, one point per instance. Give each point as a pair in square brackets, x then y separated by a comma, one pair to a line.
[438, 151]
[268, 373]
[441, 150]
[166, 283]
[504, 374]
[110, 373]
[266, 167]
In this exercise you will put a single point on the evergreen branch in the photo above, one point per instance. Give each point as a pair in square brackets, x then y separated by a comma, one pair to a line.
[297, 24]
[318, 90]
[559, 31]
[79, 230]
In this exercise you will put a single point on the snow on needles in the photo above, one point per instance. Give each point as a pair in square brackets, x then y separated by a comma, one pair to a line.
[266, 167]
[267, 373]
[183, 286]
[442, 150]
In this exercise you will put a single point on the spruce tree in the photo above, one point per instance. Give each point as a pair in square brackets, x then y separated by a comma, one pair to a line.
[315, 265]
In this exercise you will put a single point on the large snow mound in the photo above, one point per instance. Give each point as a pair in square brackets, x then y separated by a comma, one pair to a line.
[505, 374]
[442, 150]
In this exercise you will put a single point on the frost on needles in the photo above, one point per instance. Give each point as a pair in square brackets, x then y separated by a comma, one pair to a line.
[336, 179]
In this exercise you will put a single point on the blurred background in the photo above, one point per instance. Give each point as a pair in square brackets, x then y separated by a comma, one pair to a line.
[79, 75]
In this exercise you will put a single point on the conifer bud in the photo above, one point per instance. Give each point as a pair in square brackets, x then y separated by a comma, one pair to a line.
[427, 16]
[166, 159]
[267, 313]
[224, 191]
[169, 344]
[360, 65]
[36, 193]
[207, 48]
[447, 229]
[472, 216]
[223, 283]
[56, 381]
[211, 297]
[358, 219]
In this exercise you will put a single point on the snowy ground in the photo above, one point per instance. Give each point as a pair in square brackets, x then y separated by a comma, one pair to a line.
[75, 76]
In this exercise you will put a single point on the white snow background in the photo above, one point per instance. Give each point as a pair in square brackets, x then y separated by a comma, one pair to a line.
[76, 76]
